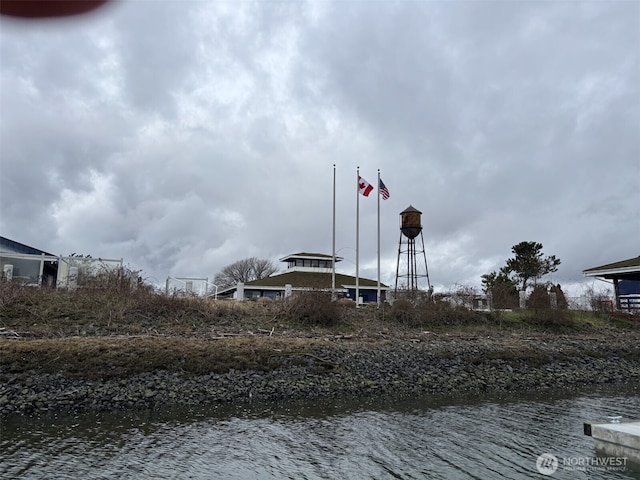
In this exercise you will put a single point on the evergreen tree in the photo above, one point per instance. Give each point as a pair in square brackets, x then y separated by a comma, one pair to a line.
[501, 288]
[529, 263]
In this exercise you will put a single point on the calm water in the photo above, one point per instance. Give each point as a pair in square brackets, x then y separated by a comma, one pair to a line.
[481, 438]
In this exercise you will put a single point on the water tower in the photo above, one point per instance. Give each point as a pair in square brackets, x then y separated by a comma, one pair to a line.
[410, 272]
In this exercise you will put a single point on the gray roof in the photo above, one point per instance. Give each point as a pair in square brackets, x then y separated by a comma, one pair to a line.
[11, 246]
[629, 266]
[320, 280]
[316, 256]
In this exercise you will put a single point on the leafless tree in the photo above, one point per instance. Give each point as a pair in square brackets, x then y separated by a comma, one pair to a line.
[598, 299]
[244, 271]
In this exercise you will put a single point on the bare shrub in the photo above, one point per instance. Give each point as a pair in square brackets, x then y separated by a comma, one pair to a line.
[414, 297]
[120, 280]
[112, 305]
[10, 293]
[463, 295]
[443, 313]
[403, 312]
[347, 302]
[437, 312]
[312, 308]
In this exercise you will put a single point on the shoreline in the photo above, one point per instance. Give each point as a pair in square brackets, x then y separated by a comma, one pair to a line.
[425, 363]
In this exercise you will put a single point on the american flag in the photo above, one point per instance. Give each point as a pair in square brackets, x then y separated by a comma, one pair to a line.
[383, 191]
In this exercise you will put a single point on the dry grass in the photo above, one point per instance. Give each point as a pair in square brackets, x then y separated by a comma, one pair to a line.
[125, 308]
[122, 328]
[117, 357]
[35, 312]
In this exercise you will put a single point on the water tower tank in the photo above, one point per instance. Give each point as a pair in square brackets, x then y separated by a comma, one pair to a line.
[410, 222]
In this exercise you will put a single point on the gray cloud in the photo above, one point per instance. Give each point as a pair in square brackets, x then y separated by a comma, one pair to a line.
[183, 136]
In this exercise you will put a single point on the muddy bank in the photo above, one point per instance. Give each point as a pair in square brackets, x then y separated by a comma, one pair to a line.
[428, 363]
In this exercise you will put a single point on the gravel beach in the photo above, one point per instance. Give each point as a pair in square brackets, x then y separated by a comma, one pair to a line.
[335, 367]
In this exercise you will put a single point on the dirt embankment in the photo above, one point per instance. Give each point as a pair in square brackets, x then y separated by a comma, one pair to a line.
[109, 373]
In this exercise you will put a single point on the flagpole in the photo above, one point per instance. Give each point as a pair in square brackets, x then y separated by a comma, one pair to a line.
[379, 195]
[333, 257]
[357, 236]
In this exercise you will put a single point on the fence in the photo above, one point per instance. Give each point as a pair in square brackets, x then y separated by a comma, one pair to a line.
[189, 286]
[630, 303]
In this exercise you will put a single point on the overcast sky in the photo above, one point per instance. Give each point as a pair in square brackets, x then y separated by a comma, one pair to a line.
[183, 136]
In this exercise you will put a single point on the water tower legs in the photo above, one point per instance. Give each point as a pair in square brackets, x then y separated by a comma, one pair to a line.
[412, 255]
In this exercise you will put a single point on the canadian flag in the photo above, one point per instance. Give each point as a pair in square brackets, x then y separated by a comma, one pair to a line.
[364, 187]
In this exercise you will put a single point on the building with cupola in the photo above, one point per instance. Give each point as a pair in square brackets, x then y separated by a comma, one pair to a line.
[307, 272]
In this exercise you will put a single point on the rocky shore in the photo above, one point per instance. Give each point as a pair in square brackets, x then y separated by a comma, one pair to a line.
[428, 363]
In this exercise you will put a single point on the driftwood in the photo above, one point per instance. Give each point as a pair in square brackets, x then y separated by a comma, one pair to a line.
[8, 333]
[270, 332]
[222, 336]
[226, 335]
[342, 337]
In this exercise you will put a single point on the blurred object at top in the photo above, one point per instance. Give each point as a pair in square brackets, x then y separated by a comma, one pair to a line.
[48, 8]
